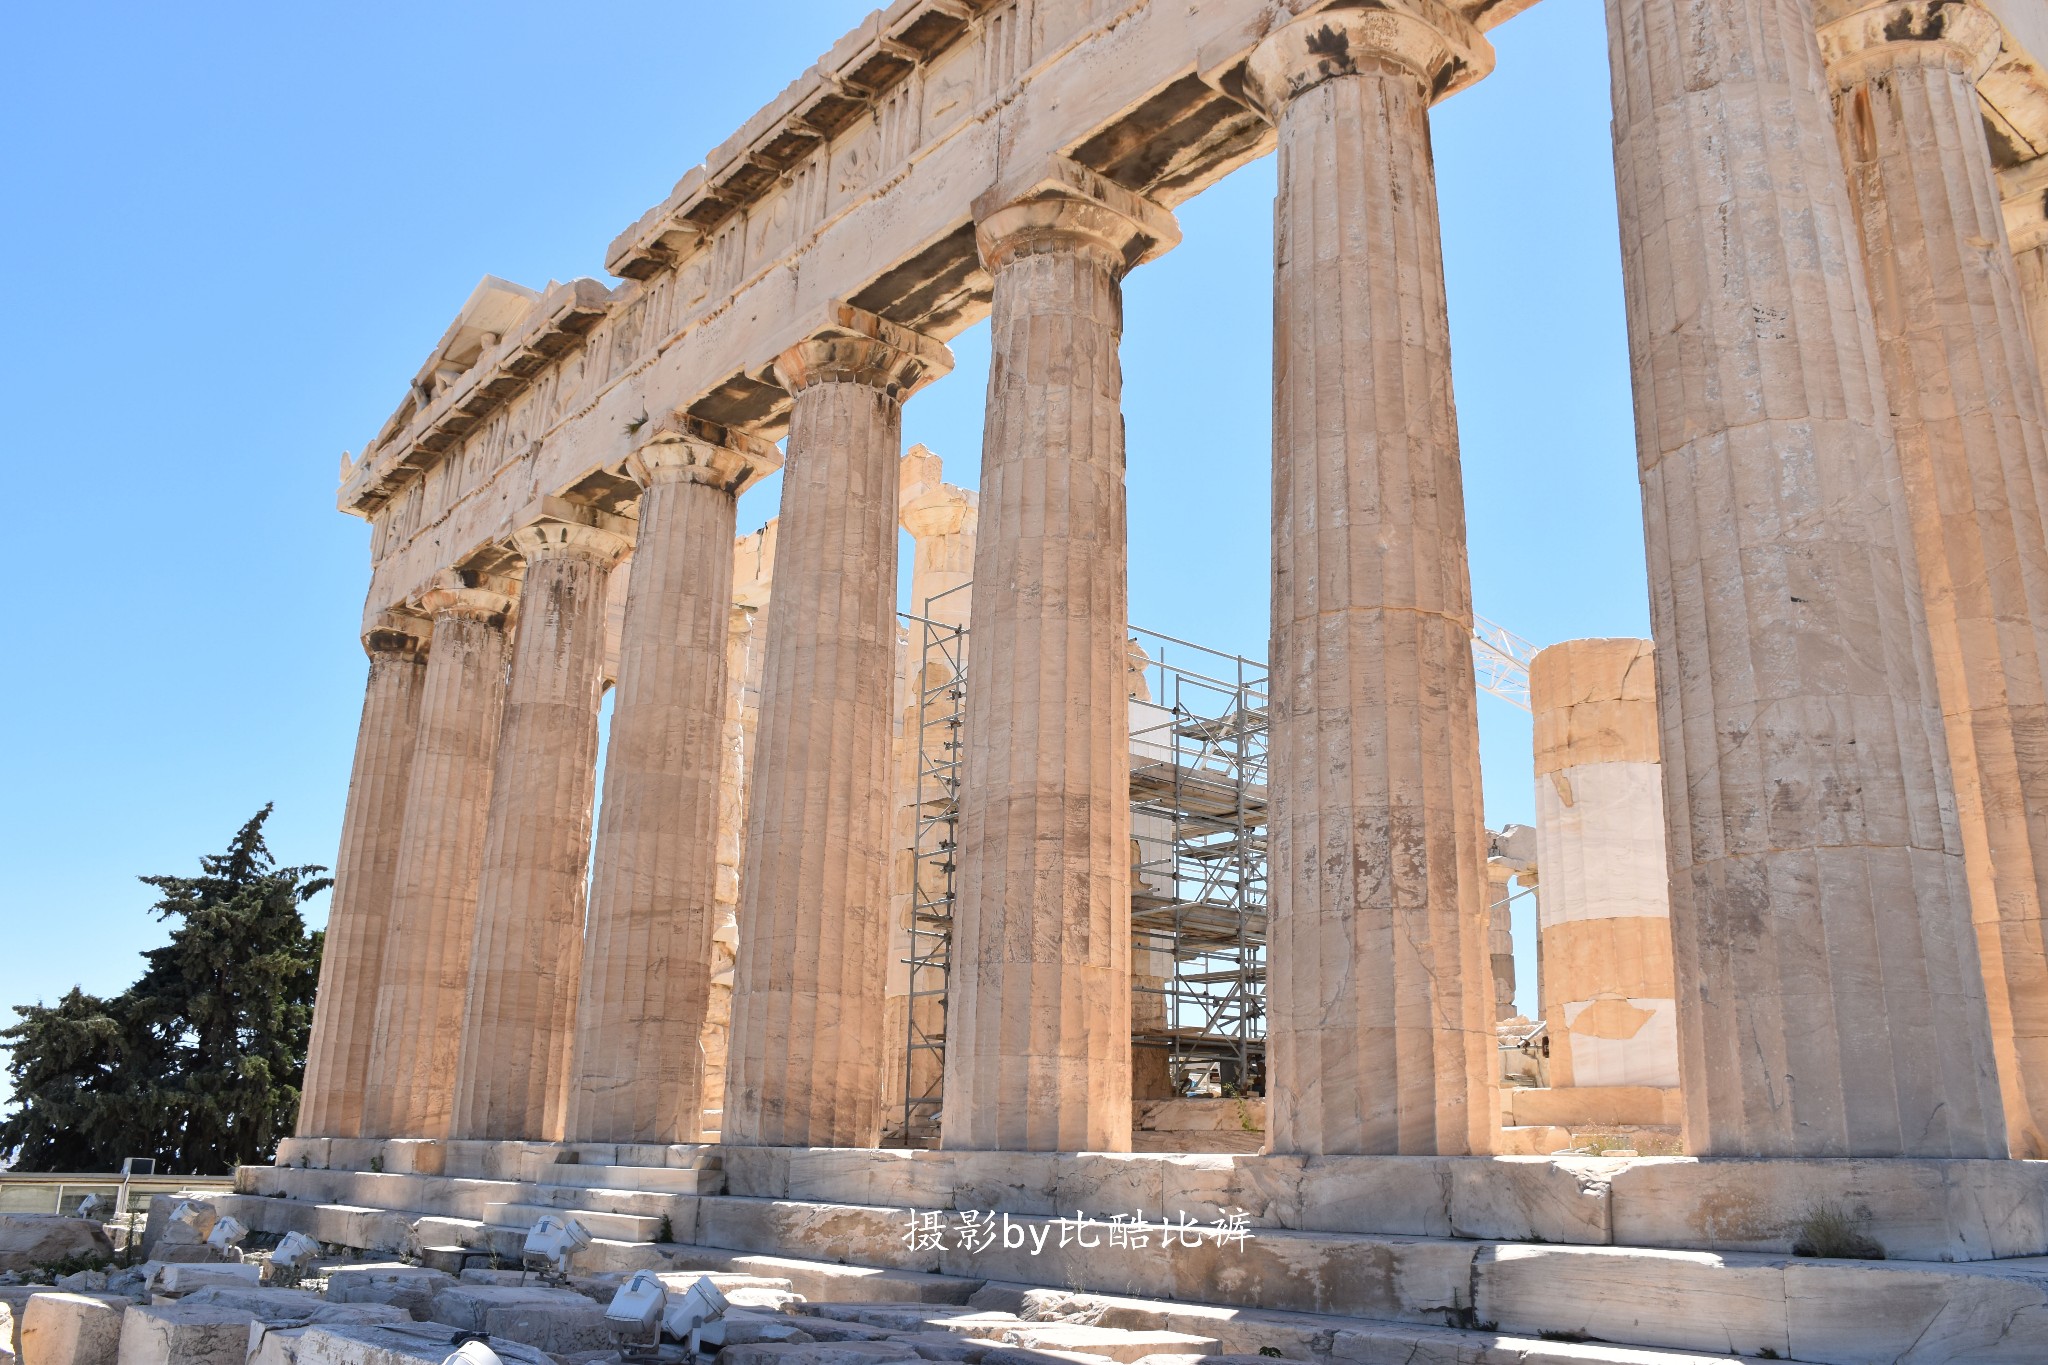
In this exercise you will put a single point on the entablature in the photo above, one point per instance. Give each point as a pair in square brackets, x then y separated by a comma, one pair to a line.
[856, 184]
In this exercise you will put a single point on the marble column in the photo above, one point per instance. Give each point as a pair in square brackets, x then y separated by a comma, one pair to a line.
[1500, 938]
[807, 1046]
[941, 520]
[638, 1070]
[753, 568]
[1510, 859]
[1038, 1008]
[1830, 1001]
[524, 967]
[1380, 1014]
[2025, 191]
[1967, 406]
[352, 967]
[418, 1031]
[2031, 262]
[1604, 915]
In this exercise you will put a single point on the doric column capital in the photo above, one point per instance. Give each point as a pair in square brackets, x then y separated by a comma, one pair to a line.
[681, 447]
[548, 536]
[1067, 207]
[857, 347]
[398, 634]
[1948, 34]
[1424, 38]
[941, 511]
[455, 592]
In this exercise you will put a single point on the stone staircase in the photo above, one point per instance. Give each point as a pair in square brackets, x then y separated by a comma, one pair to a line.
[1482, 1262]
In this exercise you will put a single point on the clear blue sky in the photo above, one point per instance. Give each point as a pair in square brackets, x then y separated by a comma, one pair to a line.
[234, 230]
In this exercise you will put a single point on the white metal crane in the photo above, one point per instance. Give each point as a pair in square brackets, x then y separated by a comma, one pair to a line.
[1500, 658]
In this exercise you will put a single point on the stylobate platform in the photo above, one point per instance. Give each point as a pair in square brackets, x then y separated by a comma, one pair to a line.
[1657, 1255]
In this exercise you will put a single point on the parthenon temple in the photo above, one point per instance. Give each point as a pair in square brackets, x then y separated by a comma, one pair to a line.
[1005, 905]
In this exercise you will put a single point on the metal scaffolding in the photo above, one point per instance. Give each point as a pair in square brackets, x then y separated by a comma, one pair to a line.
[1198, 874]
[1198, 917]
[939, 688]
[1198, 883]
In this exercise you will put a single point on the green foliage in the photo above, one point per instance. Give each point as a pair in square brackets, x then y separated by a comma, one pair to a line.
[70, 1068]
[49, 1272]
[1829, 1230]
[198, 1064]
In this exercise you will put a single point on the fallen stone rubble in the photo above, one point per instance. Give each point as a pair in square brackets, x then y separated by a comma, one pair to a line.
[394, 1313]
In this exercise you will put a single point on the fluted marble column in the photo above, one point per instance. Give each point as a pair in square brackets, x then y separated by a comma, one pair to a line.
[753, 576]
[807, 1045]
[1967, 406]
[941, 520]
[1603, 917]
[1829, 996]
[525, 966]
[352, 966]
[2030, 257]
[1380, 1013]
[1038, 1007]
[418, 1033]
[638, 1071]
[2025, 191]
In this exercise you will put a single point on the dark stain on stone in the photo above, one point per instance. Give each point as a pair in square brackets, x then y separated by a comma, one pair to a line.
[1447, 73]
[1330, 44]
[1899, 28]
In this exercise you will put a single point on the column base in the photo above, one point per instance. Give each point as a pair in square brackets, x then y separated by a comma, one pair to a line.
[1347, 1258]
[1916, 1209]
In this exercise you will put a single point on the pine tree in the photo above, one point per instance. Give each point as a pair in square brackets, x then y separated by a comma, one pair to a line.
[66, 1060]
[199, 1063]
[231, 999]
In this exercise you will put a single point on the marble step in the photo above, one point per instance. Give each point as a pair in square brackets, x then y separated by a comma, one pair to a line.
[502, 1244]
[1125, 1330]
[656, 1179]
[617, 1227]
[679, 1209]
[1838, 1312]
[1832, 1312]
[653, 1191]
[456, 1196]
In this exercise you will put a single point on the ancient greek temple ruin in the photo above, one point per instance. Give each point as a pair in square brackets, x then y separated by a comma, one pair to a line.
[978, 909]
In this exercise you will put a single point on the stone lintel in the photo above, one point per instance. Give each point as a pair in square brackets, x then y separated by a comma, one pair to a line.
[855, 346]
[1062, 201]
[1432, 41]
[554, 323]
[2013, 93]
[2025, 191]
[681, 445]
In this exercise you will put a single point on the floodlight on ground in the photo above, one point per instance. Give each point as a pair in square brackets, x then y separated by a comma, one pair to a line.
[473, 1353]
[634, 1315]
[691, 1309]
[638, 1303]
[295, 1252]
[553, 1242]
[226, 1233]
[88, 1207]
